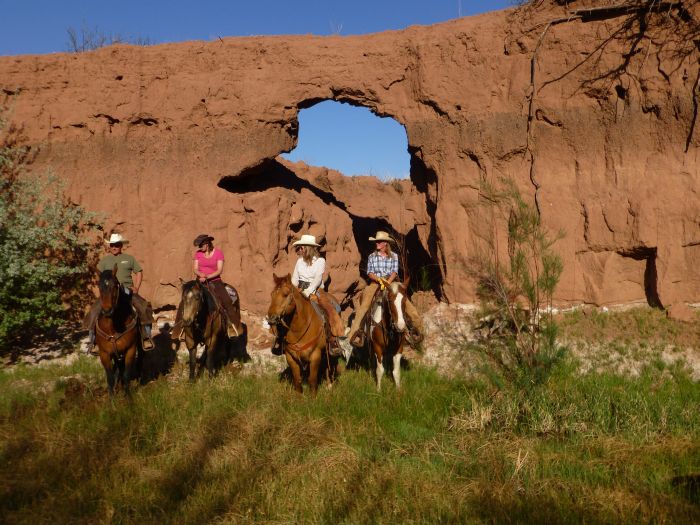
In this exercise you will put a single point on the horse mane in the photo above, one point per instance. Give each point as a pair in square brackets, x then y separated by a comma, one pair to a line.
[106, 275]
[208, 297]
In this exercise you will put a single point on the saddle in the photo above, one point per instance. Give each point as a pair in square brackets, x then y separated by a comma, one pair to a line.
[378, 300]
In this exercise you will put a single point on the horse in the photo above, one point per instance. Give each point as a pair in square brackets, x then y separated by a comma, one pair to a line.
[204, 323]
[387, 331]
[305, 336]
[116, 332]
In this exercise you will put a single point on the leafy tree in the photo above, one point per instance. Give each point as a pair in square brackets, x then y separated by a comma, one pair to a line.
[45, 247]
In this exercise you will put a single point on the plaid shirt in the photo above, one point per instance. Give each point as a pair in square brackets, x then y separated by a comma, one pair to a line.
[382, 266]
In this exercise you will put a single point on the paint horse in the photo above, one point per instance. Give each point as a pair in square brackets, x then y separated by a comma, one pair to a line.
[117, 332]
[387, 330]
[305, 337]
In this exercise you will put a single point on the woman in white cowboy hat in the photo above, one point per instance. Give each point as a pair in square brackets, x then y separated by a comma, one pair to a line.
[308, 275]
[130, 276]
[382, 270]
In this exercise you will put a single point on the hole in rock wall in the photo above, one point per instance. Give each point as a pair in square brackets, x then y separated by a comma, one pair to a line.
[650, 275]
[352, 141]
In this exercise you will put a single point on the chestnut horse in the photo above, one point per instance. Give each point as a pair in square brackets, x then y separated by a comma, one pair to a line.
[202, 322]
[116, 331]
[387, 331]
[304, 342]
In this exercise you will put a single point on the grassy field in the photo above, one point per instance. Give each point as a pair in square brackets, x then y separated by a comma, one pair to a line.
[583, 448]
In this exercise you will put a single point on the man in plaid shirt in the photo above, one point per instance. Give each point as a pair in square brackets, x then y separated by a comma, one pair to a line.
[382, 269]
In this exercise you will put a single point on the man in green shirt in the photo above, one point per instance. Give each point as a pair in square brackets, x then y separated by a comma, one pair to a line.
[129, 275]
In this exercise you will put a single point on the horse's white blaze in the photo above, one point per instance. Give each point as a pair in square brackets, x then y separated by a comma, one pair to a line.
[377, 314]
[397, 370]
[400, 322]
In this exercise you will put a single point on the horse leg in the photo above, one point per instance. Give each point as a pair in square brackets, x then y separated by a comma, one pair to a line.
[211, 354]
[296, 372]
[107, 364]
[397, 370]
[129, 359]
[192, 350]
[314, 366]
[379, 371]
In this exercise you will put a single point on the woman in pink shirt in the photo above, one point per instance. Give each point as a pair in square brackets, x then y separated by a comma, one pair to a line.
[208, 263]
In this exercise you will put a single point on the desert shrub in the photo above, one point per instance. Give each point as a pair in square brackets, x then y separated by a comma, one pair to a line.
[45, 247]
[516, 332]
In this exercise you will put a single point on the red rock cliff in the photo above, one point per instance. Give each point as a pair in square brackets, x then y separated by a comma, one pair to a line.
[593, 115]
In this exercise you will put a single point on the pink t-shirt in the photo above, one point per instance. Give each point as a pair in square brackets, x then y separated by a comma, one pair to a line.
[207, 265]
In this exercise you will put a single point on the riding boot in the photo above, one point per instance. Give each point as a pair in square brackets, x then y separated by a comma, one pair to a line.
[146, 340]
[91, 341]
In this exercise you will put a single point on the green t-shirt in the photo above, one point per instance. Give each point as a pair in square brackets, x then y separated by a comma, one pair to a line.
[126, 265]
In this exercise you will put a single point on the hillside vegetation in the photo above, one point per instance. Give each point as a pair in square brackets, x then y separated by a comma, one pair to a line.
[591, 447]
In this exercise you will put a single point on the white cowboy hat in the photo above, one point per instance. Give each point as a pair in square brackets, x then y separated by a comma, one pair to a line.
[116, 238]
[306, 240]
[381, 236]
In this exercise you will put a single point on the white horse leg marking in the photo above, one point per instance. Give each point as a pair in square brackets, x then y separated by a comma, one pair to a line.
[379, 372]
[377, 314]
[397, 370]
[400, 322]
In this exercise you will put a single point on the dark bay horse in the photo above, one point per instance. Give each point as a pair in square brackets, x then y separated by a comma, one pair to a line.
[305, 334]
[387, 331]
[203, 323]
[116, 332]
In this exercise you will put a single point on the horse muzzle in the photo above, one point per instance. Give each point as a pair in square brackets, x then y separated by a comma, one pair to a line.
[107, 313]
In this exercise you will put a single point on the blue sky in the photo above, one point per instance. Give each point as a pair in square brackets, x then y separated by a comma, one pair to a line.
[327, 131]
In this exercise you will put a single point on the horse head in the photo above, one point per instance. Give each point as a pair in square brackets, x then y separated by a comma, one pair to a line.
[396, 297]
[109, 292]
[282, 299]
[192, 301]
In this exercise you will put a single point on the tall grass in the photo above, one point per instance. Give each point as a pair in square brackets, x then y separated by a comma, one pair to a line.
[236, 449]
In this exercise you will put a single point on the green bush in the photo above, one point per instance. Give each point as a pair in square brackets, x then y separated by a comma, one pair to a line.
[45, 247]
[517, 333]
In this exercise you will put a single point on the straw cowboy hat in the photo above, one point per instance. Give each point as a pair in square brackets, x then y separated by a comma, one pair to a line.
[306, 240]
[116, 238]
[201, 239]
[381, 236]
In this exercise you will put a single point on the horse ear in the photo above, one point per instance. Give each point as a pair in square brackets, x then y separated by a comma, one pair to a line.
[288, 278]
[406, 281]
[182, 282]
[276, 279]
[114, 270]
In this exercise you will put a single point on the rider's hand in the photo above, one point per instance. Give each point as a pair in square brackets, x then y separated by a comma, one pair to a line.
[306, 292]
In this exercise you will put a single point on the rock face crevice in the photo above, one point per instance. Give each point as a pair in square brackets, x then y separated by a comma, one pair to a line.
[174, 140]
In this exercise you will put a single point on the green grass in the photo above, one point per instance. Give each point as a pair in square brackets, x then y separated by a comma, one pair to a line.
[591, 448]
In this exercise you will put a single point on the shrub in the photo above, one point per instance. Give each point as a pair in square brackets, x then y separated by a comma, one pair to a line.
[516, 331]
[45, 247]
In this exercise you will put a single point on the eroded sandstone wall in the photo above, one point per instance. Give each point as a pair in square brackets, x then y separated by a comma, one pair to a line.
[173, 140]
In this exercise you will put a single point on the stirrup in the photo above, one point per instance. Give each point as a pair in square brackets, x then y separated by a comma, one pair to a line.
[147, 344]
[231, 330]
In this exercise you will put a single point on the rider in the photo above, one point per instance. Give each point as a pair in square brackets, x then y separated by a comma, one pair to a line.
[208, 264]
[382, 270]
[130, 276]
[308, 276]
